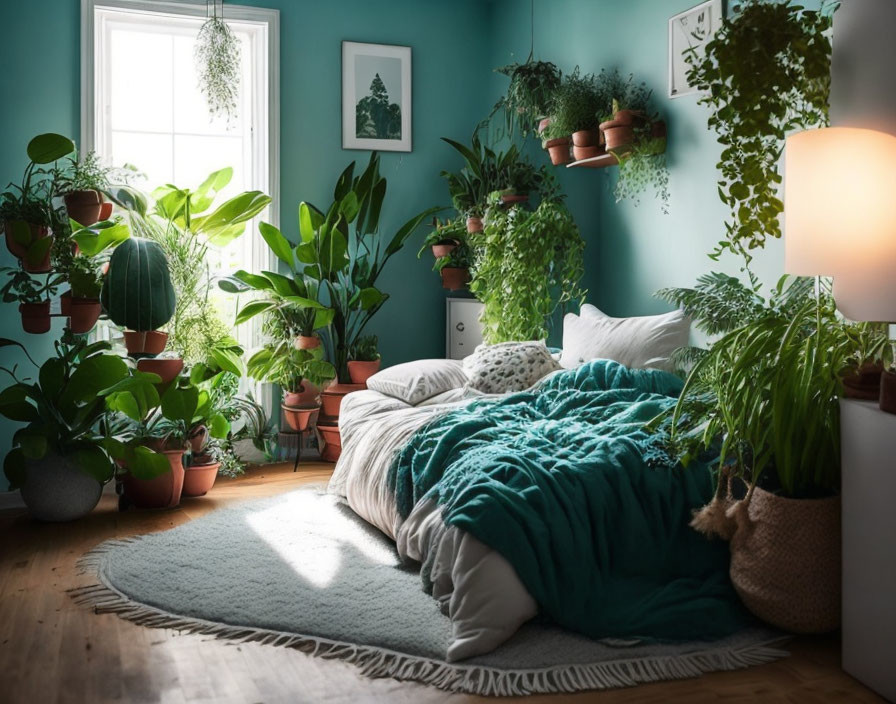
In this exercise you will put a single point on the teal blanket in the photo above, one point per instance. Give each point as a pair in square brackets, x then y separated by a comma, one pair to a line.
[570, 488]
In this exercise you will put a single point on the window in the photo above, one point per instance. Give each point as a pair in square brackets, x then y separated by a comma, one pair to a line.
[141, 106]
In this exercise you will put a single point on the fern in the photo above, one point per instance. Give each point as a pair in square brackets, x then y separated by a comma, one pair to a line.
[718, 303]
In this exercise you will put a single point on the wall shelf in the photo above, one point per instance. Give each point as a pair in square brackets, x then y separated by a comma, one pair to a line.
[595, 162]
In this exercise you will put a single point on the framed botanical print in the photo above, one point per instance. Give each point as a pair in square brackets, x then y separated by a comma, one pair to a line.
[691, 29]
[376, 97]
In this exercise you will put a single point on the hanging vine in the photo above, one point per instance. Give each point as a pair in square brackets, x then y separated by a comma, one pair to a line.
[766, 73]
[217, 57]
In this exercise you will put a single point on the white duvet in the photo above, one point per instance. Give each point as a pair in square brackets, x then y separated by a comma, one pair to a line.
[474, 585]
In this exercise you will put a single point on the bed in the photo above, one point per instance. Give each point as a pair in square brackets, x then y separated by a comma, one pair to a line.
[549, 502]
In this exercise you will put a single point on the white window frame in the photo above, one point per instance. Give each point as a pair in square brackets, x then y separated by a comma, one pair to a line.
[271, 18]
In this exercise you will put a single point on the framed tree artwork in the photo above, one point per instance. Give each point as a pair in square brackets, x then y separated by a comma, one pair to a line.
[376, 97]
[690, 30]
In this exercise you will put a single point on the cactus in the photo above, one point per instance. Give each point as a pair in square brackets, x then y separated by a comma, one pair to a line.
[137, 293]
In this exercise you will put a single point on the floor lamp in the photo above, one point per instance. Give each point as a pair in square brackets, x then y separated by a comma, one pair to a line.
[840, 221]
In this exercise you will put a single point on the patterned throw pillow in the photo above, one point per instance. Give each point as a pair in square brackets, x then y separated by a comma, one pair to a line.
[508, 366]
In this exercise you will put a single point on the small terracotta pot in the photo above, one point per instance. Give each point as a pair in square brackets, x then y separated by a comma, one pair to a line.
[83, 314]
[888, 391]
[167, 369]
[331, 440]
[581, 153]
[306, 342]
[331, 398]
[292, 398]
[84, 206]
[298, 417]
[360, 372]
[586, 138]
[443, 248]
[864, 383]
[474, 225]
[159, 492]
[509, 198]
[65, 303]
[151, 342]
[617, 135]
[454, 278]
[199, 478]
[559, 151]
[37, 232]
[35, 317]
[198, 438]
[106, 211]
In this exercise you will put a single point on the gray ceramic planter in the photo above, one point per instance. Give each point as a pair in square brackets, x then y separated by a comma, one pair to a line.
[56, 490]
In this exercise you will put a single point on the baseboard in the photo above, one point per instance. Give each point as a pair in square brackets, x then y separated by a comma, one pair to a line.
[11, 499]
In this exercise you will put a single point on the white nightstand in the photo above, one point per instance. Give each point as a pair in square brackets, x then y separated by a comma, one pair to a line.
[868, 437]
[464, 331]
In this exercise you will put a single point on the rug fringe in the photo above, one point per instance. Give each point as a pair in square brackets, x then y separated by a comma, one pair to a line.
[453, 677]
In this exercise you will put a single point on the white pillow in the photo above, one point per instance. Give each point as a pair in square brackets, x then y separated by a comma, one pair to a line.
[508, 366]
[638, 343]
[413, 382]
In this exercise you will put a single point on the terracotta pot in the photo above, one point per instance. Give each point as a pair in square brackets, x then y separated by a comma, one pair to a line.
[298, 417]
[159, 492]
[514, 198]
[581, 153]
[331, 441]
[586, 138]
[167, 369]
[198, 438]
[360, 372]
[106, 211]
[306, 342]
[331, 398]
[151, 342]
[454, 278]
[559, 151]
[864, 383]
[618, 136]
[785, 560]
[65, 303]
[888, 392]
[474, 225]
[84, 206]
[444, 248]
[37, 232]
[35, 317]
[83, 314]
[199, 478]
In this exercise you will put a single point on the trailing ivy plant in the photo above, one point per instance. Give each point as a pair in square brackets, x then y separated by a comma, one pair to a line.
[217, 56]
[528, 98]
[765, 73]
[527, 265]
[644, 168]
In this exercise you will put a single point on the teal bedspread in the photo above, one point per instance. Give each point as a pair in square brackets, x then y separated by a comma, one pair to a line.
[571, 489]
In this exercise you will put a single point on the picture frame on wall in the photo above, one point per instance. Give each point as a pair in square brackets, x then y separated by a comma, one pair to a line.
[376, 97]
[691, 29]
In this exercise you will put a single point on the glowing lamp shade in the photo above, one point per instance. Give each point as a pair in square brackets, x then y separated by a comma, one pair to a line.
[840, 216]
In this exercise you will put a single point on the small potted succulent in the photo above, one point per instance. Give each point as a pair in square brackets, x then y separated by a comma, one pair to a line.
[364, 359]
[137, 295]
[82, 183]
[33, 299]
[455, 268]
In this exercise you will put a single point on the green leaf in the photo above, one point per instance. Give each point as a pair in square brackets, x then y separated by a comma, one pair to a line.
[94, 462]
[204, 196]
[52, 376]
[279, 245]
[238, 209]
[97, 238]
[93, 375]
[344, 183]
[303, 302]
[369, 297]
[143, 463]
[306, 253]
[333, 255]
[253, 308]
[179, 404]
[38, 250]
[324, 317]
[126, 402]
[259, 282]
[349, 206]
[218, 426]
[32, 443]
[227, 360]
[15, 406]
[49, 147]
[284, 285]
[310, 220]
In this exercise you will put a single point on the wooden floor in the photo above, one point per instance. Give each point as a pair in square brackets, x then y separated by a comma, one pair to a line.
[54, 651]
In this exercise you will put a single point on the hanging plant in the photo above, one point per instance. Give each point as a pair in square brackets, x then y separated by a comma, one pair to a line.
[218, 64]
[766, 73]
[644, 167]
[529, 95]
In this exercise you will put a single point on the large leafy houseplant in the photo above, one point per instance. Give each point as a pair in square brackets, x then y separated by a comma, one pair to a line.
[484, 171]
[529, 95]
[527, 265]
[765, 73]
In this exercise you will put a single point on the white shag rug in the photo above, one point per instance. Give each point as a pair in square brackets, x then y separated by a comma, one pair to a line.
[302, 570]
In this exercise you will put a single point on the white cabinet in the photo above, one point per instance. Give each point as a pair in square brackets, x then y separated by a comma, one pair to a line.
[464, 329]
[868, 449]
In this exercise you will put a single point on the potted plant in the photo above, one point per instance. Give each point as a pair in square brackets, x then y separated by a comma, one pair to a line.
[26, 209]
[444, 237]
[484, 171]
[82, 183]
[644, 166]
[147, 436]
[33, 299]
[364, 359]
[58, 460]
[253, 441]
[556, 140]
[208, 431]
[763, 399]
[454, 268]
[137, 295]
[529, 95]
[574, 114]
[520, 179]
